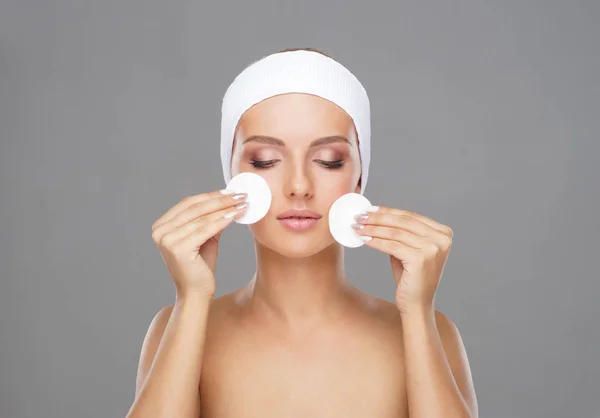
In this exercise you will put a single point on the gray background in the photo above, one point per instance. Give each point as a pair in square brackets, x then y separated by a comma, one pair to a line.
[485, 117]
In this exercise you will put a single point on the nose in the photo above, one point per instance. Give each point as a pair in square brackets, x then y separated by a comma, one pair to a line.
[298, 182]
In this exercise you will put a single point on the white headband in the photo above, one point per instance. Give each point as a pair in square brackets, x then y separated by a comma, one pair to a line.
[296, 72]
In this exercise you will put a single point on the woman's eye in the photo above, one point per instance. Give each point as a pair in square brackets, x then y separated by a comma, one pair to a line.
[331, 164]
[262, 164]
[270, 163]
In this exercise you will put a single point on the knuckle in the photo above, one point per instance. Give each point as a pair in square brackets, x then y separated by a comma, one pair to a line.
[398, 234]
[409, 220]
[200, 203]
[158, 233]
[187, 200]
[201, 228]
[196, 205]
[433, 249]
[168, 241]
[447, 242]
[406, 213]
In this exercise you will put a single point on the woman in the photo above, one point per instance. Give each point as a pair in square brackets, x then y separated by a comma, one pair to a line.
[298, 339]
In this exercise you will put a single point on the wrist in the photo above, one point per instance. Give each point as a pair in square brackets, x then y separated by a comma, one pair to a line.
[418, 312]
[193, 297]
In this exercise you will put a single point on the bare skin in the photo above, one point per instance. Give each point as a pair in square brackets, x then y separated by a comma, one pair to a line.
[298, 340]
[348, 364]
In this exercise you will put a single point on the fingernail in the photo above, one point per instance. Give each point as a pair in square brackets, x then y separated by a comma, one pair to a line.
[358, 226]
[366, 238]
[239, 196]
[227, 191]
[361, 217]
[372, 209]
[241, 205]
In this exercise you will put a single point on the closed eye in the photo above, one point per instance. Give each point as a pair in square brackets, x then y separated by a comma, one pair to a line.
[270, 163]
[331, 164]
[262, 164]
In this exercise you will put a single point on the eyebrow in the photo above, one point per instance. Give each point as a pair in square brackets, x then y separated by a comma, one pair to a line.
[278, 142]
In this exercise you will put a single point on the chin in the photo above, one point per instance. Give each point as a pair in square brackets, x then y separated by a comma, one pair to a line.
[292, 244]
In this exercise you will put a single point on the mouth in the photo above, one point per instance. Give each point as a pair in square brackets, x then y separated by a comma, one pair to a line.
[299, 220]
[298, 224]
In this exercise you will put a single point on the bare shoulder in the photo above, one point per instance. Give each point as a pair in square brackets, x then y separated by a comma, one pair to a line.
[157, 328]
[446, 327]
[377, 309]
[222, 313]
[222, 307]
[387, 312]
[150, 344]
[458, 360]
[371, 314]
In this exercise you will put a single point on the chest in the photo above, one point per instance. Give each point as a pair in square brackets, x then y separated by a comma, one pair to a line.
[337, 375]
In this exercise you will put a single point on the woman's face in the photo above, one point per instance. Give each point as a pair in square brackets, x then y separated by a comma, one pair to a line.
[306, 148]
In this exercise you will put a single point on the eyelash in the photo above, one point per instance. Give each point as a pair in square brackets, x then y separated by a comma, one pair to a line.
[332, 165]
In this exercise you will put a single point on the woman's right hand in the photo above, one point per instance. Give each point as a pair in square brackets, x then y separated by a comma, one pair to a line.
[188, 238]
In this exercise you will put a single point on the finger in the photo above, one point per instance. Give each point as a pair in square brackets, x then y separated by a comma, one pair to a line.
[227, 214]
[187, 202]
[195, 211]
[205, 232]
[207, 207]
[392, 234]
[222, 217]
[428, 221]
[426, 235]
[395, 220]
[397, 249]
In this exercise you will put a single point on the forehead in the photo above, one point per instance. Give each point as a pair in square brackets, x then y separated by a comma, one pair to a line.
[294, 116]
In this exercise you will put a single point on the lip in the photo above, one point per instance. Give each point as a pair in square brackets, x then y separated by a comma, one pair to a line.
[299, 220]
[299, 213]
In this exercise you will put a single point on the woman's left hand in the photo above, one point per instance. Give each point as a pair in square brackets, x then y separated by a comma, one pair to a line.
[418, 249]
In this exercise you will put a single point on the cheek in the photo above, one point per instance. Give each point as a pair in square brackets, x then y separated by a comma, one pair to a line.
[272, 177]
[338, 181]
[335, 189]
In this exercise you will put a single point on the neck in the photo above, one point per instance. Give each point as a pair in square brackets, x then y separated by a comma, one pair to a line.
[298, 291]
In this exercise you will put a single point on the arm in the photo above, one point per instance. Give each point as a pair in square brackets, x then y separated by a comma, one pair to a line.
[439, 381]
[168, 379]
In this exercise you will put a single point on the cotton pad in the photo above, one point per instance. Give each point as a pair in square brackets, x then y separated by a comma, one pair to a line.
[259, 196]
[341, 218]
